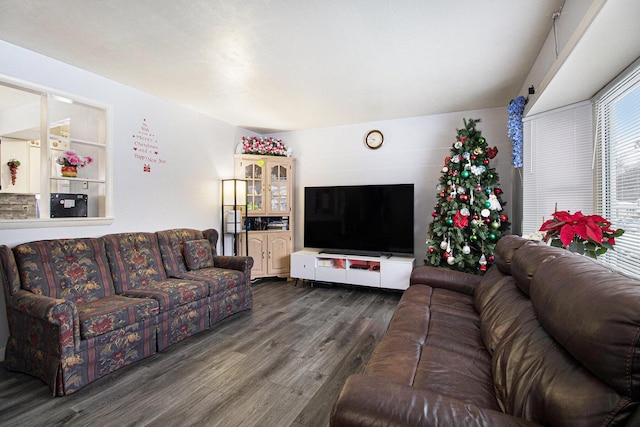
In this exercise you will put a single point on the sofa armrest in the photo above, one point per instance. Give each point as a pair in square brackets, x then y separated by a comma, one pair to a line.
[368, 401]
[240, 263]
[59, 317]
[442, 278]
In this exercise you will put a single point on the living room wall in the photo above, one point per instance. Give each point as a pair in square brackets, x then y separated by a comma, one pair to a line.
[413, 152]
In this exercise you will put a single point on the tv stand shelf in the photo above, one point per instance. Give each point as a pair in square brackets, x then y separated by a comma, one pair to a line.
[391, 272]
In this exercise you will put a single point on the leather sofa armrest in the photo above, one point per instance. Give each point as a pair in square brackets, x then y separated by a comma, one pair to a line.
[59, 315]
[368, 401]
[442, 278]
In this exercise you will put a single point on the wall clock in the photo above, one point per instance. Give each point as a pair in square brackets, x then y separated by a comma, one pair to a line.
[374, 139]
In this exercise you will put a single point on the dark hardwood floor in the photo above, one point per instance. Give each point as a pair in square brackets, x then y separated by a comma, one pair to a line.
[280, 364]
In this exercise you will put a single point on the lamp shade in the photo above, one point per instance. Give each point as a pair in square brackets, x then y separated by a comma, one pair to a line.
[234, 192]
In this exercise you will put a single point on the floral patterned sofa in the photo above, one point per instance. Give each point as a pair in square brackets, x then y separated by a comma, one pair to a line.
[79, 309]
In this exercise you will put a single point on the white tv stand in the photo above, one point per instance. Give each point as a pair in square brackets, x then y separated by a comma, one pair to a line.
[381, 272]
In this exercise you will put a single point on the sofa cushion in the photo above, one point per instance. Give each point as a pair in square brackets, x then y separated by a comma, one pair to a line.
[113, 312]
[73, 269]
[134, 259]
[594, 313]
[499, 302]
[170, 293]
[419, 349]
[505, 250]
[528, 259]
[171, 247]
[536, 379]
[219, 280]
[197, 254]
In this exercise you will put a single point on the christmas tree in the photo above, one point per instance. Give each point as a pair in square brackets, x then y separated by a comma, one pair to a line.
[467, 219]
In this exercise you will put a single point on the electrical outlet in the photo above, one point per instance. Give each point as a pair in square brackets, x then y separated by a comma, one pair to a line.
[85, 185]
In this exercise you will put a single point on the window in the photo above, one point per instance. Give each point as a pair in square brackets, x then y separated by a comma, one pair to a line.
[558, 159]
[37, 126]
[617, 166]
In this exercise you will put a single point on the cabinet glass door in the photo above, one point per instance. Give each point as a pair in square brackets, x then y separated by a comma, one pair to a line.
[279, 189]
[253, 173]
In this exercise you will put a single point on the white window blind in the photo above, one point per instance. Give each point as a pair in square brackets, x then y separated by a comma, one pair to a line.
[617, 166]
[558, 160]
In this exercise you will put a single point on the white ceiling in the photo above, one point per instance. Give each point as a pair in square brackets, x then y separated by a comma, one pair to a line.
[275, 65]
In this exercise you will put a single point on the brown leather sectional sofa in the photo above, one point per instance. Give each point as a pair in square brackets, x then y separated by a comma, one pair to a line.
[545, 337]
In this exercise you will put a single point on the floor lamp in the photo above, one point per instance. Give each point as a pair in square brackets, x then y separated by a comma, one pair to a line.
[234, 198]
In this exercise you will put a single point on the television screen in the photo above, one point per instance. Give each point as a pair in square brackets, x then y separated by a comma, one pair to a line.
[359, 219]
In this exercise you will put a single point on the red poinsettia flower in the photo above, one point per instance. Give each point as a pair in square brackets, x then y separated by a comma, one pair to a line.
[592, 230]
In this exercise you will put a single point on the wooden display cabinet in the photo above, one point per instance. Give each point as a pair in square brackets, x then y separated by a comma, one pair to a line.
[269, 213]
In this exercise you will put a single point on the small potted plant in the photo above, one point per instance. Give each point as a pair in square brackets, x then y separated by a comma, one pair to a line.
[71, 161]
[13, 169]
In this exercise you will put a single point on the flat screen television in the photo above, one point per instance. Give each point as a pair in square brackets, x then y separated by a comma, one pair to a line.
[359, 219]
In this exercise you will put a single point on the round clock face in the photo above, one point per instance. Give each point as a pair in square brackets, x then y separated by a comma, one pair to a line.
[374, 139]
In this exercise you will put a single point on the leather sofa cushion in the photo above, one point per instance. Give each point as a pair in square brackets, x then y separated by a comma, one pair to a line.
[537, 380]
[570, 355]
[369, 401]
[420, 350]
[594, 314]
[528, 259]
[505, 249]
[499, 302]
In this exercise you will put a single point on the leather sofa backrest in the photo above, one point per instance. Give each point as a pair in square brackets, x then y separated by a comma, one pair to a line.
[134, 259]
[74, 269]
[594, 314]
[499, 302]
[569, 354]
[529, 258]
[171, 247]
[505, 250]
[496, 297]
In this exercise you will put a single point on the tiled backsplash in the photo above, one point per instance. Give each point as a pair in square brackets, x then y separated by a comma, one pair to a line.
[17, 206]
